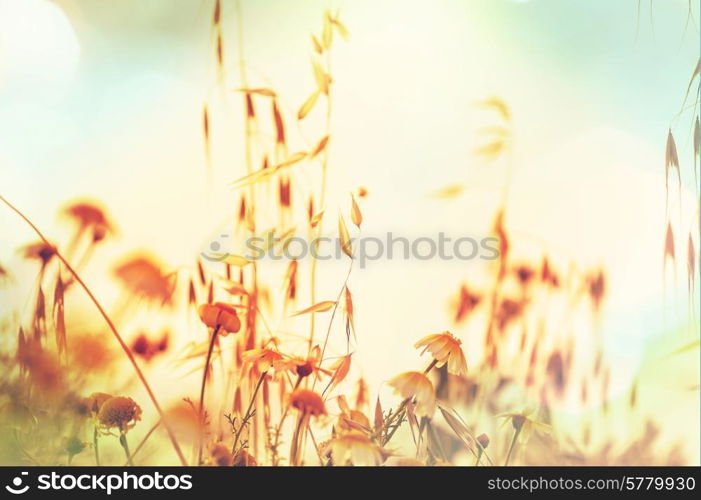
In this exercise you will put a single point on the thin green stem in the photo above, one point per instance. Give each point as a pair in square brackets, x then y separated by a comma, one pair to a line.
[94, 443]
[125, 445]
[248, 412]
[200, 406]
[513, 444]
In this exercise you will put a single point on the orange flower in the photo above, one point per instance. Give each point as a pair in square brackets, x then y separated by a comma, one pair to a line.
[416, 384]
[88, 214]
[264, 359]
[221, 316]
[356, 448]
[40, 251]
[119, 412]
[525, 423]
[445, 348]
[143, 276]
[304, 367]
[308, 402]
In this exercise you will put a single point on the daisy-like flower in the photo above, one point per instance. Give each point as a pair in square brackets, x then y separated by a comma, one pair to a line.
[40, 251]
[307, 402]
[88, 215]
[355, 448]
[416, 384]
[221, 316]
[525, 424]
[119, 412]
[303, 367]
[263, 359]
[445, 348]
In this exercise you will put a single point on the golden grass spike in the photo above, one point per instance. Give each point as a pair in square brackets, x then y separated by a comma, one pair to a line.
[250, 219]
[265, 173]
[61, 342]
[356, 215]
[216, 18]
[327, 32]
[317, 45]
[252, 178]
[498, 105]
[346, 244]
[250, 108]
[460, 430]
[340, 370]
[379, 419]
[205, 129]
[691, 263]
[349, 309]
[669, 243]
[58, 307]
[201, 273]
[491, 150]
[308, 105]
[448, 192]
[361, 394]
[291, 160]
[220, 52]
[340, 27]
[318, 307]
[321, 146]
[697, 148]
[316, 218]
[671, 158]
[191, 294]
[40, 312]
[279, 124]
[234, 287]
[322, 78]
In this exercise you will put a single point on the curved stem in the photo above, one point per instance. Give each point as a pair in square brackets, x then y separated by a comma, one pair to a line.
[111, 326]
[125, 445]
[248, 412]
[200, 406]
[296, 438]
[97, 452]
[513, 444]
